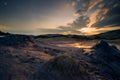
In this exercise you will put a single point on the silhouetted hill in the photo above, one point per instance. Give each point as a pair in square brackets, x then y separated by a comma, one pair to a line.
[106, 35]
[110, 35]
[107, 58]
[79, 37]
[3, 33]
[49, 36]
[14, 40]
[115, 34]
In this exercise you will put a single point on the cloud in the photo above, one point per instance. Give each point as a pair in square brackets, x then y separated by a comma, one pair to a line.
[93, 3]
[80, 12]
[92, 14]
[111, 15]
[72, 28]
[94, 30]
[87, 5]
[100, 13]
[88, 13]
[93, 18]
[82, 21]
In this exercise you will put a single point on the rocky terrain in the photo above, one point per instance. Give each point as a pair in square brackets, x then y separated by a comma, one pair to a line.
[25, 58]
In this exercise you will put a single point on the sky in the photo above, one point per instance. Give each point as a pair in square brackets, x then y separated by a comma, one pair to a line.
[81, 17]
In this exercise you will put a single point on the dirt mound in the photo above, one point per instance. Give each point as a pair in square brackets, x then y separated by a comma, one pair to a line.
[15, 40]
[107, 58]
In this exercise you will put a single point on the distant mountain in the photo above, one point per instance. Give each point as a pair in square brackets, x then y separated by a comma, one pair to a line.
[106, 35]
[115, 34]
[110, 35]
[49, 36]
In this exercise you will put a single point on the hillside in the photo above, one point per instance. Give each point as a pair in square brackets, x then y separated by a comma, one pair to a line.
[3, 33]
[109, 35]
[23, 58]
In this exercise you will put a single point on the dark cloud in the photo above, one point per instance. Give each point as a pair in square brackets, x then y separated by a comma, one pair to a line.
[112, 17]
[87, 10]
[82, 21]
[81, 11]
[73, 27]
[93, 13]
[79, 23]
[100, 12]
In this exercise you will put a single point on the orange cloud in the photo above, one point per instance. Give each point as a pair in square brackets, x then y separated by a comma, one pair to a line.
[93, 18]
[93, 3]
[93, 30]
[73, 3]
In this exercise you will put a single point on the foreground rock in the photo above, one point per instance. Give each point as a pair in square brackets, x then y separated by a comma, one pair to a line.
[107, 58]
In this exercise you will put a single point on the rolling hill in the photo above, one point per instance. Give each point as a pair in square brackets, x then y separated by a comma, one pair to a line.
[109, 35]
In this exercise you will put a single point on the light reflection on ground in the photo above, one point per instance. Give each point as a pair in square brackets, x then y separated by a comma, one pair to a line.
[75, 45]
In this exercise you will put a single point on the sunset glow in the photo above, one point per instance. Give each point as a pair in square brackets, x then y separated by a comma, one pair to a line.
[83, 17]
[80, 45]
[94, 31]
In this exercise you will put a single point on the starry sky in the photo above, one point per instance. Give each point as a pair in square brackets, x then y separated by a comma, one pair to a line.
[84, 17]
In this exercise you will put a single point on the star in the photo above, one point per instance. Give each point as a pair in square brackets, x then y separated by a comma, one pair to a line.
[5, 3]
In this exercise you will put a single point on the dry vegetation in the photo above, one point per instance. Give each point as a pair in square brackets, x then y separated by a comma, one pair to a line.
[43, 59]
